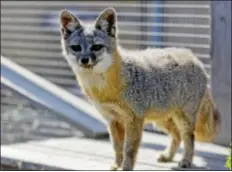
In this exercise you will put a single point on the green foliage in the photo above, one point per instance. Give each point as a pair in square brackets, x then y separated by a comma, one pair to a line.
[228, 161]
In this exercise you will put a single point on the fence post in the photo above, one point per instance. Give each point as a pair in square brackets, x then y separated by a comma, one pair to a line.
[221, 65]
[143, 19]
[157, 20]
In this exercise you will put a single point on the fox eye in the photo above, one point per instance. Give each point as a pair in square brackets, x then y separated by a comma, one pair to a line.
[96, 47]
[75, 48]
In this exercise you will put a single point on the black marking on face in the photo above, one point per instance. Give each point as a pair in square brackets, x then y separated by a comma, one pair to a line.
[96, 47]
[93, 57]
[76, 48]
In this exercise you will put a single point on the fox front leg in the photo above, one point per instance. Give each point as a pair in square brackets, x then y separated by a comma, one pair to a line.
[133, 135]
[117, 131]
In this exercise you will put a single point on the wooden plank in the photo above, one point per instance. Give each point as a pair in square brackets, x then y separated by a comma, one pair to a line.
[88, 154]
[72, 108]
[221, 65]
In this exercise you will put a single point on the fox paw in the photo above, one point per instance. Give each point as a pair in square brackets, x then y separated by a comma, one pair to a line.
[164, 158]
[119, 169]
[184, 163]
[114, 167]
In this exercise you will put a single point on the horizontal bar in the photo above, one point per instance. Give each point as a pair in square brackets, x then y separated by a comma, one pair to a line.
[40, 62]
[121, 32]
[31, 45]
[61, 80]
[46, 53]
[51, 71]
[19, 12]
[12, 21]
[130, 42]
[100, 4]
[32, 49]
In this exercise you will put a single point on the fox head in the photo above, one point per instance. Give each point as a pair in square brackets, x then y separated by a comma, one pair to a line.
[89, 47]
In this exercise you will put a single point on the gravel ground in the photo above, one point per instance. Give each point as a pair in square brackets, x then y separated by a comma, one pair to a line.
[21, 120]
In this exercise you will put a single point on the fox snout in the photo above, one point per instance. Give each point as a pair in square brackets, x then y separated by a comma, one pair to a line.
[87, 60]
[84, 60]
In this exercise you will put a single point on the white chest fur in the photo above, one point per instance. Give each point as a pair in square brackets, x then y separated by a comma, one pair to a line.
[110, 111]
[89, 80]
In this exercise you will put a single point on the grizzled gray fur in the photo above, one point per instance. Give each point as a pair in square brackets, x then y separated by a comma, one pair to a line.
[163, 80]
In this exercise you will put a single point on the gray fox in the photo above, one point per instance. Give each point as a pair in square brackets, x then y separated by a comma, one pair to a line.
[167, 86]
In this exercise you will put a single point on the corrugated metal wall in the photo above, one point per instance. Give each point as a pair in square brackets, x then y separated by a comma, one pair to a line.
[30, 31]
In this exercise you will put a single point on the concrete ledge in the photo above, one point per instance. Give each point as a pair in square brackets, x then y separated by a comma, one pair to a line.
[89, 154]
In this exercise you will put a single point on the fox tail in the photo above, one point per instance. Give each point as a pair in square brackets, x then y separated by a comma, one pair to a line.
[208, 122]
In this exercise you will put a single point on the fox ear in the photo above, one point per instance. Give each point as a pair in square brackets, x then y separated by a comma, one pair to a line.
[68, 23]
[106, 21]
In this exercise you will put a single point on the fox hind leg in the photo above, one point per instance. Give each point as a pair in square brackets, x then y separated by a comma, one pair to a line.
[172, 148]
[186, 129]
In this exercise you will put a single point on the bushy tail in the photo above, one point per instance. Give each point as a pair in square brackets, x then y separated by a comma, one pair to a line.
[208, 121]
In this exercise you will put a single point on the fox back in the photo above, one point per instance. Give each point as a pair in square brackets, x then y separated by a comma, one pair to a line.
[162, 79]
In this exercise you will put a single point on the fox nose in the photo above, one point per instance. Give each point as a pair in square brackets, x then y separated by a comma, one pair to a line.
[85, 60]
